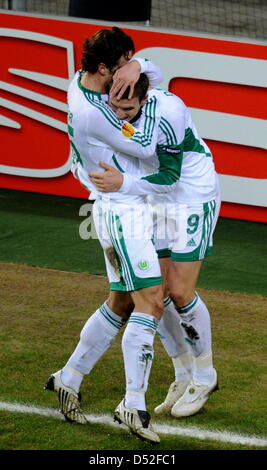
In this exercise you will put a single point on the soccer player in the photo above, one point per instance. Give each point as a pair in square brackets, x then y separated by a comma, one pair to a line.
[192, 203]
[131, 260]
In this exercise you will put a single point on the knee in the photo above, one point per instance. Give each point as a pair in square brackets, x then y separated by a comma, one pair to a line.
[149, 301]
[181, 295]
[152, 306]
[156, 306]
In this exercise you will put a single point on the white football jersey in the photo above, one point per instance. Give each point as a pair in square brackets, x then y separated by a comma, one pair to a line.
[182, 165]
[96, 134]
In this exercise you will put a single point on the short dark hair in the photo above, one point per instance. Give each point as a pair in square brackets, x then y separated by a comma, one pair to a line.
[106, 46]
[140, 88]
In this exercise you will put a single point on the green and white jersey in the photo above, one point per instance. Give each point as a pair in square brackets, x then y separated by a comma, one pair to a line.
[183, 164]
[96, 134]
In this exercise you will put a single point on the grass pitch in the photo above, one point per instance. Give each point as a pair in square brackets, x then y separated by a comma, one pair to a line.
[42, 313]
[42, 230]
[43, 310]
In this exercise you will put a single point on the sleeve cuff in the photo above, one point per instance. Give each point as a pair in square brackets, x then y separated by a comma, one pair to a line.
[142, 63]
[128, 182]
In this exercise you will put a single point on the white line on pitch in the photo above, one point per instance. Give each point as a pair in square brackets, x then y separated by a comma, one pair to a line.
[191, 431]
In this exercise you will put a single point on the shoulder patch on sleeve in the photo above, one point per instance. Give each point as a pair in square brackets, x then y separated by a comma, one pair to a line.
[127, 129]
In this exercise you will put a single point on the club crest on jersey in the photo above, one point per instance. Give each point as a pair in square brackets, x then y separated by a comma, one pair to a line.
[127, 129]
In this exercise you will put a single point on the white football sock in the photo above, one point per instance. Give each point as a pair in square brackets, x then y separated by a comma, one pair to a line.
[138, 353]
[195, 319]
[183, 367]
[204, 372]
[172, 337]
[96, 338]
[71, 378]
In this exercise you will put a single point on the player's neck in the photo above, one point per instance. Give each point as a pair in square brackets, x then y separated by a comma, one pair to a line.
[93, 82]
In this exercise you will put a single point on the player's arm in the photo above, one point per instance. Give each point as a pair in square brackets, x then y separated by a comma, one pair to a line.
[170, 157]
[155, 76]
[163, 181]
[104, 125]
[170, 149]
[128, 75]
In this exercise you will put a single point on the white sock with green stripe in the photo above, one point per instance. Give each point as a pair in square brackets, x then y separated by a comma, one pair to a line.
[96, 338]
[195, 319]
[172, 337]
[138, 353]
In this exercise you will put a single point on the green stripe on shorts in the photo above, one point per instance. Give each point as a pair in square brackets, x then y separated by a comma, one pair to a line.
[129, 281]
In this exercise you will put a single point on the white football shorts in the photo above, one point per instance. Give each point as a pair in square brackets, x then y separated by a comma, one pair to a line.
[184, 232]
[125, 233]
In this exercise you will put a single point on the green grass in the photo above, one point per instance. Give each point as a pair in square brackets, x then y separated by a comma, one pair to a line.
[43, 230]
[42, 313]
[41, 316]
[239, 260]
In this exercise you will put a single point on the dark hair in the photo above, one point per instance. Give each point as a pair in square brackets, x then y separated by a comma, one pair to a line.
[106, 46]
[140, 88]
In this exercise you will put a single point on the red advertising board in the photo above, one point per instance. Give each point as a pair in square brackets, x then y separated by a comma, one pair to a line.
[222, 81]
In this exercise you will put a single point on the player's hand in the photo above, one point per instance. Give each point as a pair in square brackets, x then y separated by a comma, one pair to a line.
[125, 77]
[107, 181]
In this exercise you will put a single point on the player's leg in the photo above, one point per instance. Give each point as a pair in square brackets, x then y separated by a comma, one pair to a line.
[195, 320]
[138, 354]
[96, 337]
[169, 329]
[171, 333]
[137, 343]
[194, 315]
[172, 337]
[139, 273]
